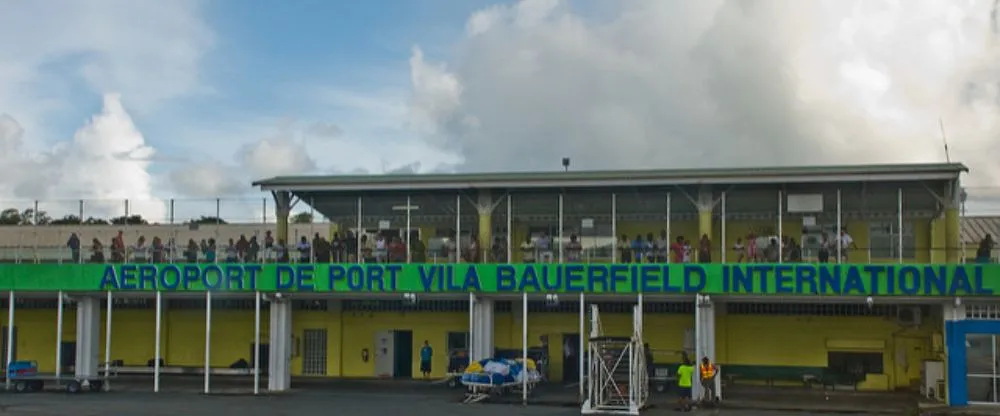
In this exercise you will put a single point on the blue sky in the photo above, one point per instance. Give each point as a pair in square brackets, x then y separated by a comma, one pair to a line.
[152, 100]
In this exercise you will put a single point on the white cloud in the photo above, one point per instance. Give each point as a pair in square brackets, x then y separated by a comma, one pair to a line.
[717, 83]
[85, 168]
[60, 56]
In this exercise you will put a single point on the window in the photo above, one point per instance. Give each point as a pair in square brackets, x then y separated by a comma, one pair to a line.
[458, 341]
[855, 362]
[884, 239]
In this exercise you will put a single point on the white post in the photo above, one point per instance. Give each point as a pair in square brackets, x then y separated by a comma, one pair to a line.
[669, 235]
[458, 229]
[157, 352]
[107, 339]
[524, 346]
[510, 230]
[10, 334]
[358, 234]
[840, 226]
[899, 228]
[561, 241]
[59, 329]
[614, 235]
[722, 244]
[208, 339]
[582, 335]
[407, 236]
[256, 343]
[781, 231]
[472, 325]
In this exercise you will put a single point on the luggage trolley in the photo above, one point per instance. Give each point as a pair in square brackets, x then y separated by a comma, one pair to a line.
[25, 377]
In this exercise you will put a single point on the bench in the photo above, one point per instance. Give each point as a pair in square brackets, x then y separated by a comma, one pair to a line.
[832, 378]
[770, 374]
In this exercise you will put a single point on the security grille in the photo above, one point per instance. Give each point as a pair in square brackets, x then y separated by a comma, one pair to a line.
[314, 352]
[982, 312]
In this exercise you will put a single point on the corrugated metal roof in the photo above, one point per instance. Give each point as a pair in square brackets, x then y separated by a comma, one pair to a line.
[975, 229]
[666, 175]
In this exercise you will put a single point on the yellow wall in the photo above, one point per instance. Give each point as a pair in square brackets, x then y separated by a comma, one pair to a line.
[804, 340]
[359, 329]
[36, 335]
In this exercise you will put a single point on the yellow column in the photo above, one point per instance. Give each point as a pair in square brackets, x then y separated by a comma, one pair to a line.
[952, 235]
[704, 223]
[281, 229]
[485, 231]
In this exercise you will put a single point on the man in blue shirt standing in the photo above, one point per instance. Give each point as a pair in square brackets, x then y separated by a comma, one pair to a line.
[426, 353]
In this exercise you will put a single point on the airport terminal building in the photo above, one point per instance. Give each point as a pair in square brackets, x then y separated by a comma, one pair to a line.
[852, 272]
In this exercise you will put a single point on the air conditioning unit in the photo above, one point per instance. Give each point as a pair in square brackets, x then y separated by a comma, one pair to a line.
[908, 316]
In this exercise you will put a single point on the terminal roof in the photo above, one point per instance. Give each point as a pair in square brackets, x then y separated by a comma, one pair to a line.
[576, 179]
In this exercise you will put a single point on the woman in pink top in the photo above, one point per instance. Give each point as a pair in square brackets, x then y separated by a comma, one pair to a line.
[752, 248]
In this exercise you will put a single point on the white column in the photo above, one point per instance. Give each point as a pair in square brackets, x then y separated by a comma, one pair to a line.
[704, 334]
[473, 353]
[458, 229]
[256, 343]
[669, 213]
[840, 226]
[279, 373]
[524, 344]
[614, 235]
[781, 230]
[580, 350]
[482, 329]
[10, 333]
[510, 230]
[158, 353]
[208, 341]
[59, 334]
[899, 228]
[107, 338]
[407, 236]
[88, 336]
[560, 234]
[723, 244]
[357, 236]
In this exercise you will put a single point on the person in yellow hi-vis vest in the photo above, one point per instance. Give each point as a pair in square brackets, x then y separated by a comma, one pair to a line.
[708, 371]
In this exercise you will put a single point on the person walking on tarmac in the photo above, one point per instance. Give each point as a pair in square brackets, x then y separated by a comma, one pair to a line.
[685, 378]
[708, 371]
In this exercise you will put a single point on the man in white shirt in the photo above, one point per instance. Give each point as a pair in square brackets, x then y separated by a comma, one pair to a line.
[544, 245]
[528, 251]
[846, 243]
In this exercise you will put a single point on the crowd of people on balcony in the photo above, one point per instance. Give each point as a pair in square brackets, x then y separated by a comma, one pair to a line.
[390, 247]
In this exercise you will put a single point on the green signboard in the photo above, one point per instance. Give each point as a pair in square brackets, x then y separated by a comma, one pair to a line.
[730, 279]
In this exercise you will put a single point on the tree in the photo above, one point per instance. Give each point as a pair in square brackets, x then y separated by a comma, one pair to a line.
[30, 216]
[96, 221]
[67, 220]
[302, 218]
[207, 220]
[130, 220]
[10, 216]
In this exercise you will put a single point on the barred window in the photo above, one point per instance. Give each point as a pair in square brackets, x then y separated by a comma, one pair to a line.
[381, 305]
[812, 309]
[884, 239]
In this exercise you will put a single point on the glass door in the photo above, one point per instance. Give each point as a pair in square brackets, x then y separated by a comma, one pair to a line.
[983, 367]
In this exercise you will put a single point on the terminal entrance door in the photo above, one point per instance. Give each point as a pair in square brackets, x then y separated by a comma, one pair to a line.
[394, 354]
[983, 367]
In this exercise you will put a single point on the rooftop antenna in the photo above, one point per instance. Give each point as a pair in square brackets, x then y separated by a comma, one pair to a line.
[565, 163]
[944, 140]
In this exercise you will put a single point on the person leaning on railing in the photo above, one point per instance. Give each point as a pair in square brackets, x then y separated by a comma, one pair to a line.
[984, 253]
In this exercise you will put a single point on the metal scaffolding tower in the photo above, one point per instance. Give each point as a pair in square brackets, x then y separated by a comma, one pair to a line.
[618, 383]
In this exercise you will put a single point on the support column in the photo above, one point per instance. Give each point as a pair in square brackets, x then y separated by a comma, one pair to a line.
[704, 332]
[956, 385]
[952, 235]
[279, 377]
[484, 207]
[283, 208]
[481, 337]
[88, 336]
[705, 204]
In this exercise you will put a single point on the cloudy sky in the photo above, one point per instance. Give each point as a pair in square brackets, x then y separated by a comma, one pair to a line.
[188, 99]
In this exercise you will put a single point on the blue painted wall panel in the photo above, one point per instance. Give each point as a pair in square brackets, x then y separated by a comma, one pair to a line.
[955, 332]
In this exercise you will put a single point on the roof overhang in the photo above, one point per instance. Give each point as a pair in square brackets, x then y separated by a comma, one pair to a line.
[640, 178]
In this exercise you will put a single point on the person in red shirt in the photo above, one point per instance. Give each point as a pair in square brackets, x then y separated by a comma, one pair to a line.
[677, 250]
[397, 251]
